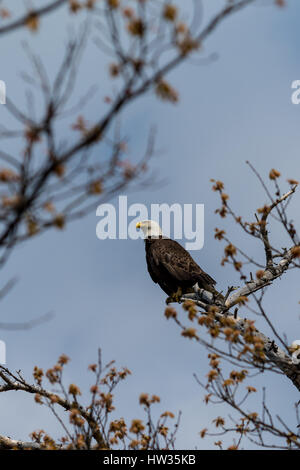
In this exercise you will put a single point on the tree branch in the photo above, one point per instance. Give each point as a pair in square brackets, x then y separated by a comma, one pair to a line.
[12, 382]
[8, 443]
[32, 13]
[275, 354]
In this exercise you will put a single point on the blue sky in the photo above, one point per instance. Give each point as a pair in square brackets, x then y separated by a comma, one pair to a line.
[235, 109]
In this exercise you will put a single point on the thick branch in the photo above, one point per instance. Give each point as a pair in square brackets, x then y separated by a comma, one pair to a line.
[12, 444]
[269, 276]
[275, 354]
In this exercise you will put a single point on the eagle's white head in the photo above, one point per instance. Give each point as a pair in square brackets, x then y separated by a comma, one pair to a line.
[150, 228]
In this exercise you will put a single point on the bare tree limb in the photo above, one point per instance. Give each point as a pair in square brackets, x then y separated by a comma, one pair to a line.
[12, 444]
[32, 13]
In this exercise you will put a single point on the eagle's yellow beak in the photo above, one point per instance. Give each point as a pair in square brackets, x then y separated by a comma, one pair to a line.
[138, 225]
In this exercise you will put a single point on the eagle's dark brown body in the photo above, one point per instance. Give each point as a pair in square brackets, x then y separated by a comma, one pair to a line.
[173, 268]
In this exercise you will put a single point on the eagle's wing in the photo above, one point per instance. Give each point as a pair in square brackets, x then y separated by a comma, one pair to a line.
[152, 266]
[179, 263]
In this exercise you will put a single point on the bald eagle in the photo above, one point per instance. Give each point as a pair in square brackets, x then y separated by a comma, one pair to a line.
[170, 265]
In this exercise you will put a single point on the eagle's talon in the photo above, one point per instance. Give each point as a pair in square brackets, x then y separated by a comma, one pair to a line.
[175, 297]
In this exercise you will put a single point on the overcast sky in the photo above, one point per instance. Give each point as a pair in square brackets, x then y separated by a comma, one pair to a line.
[237, 108]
